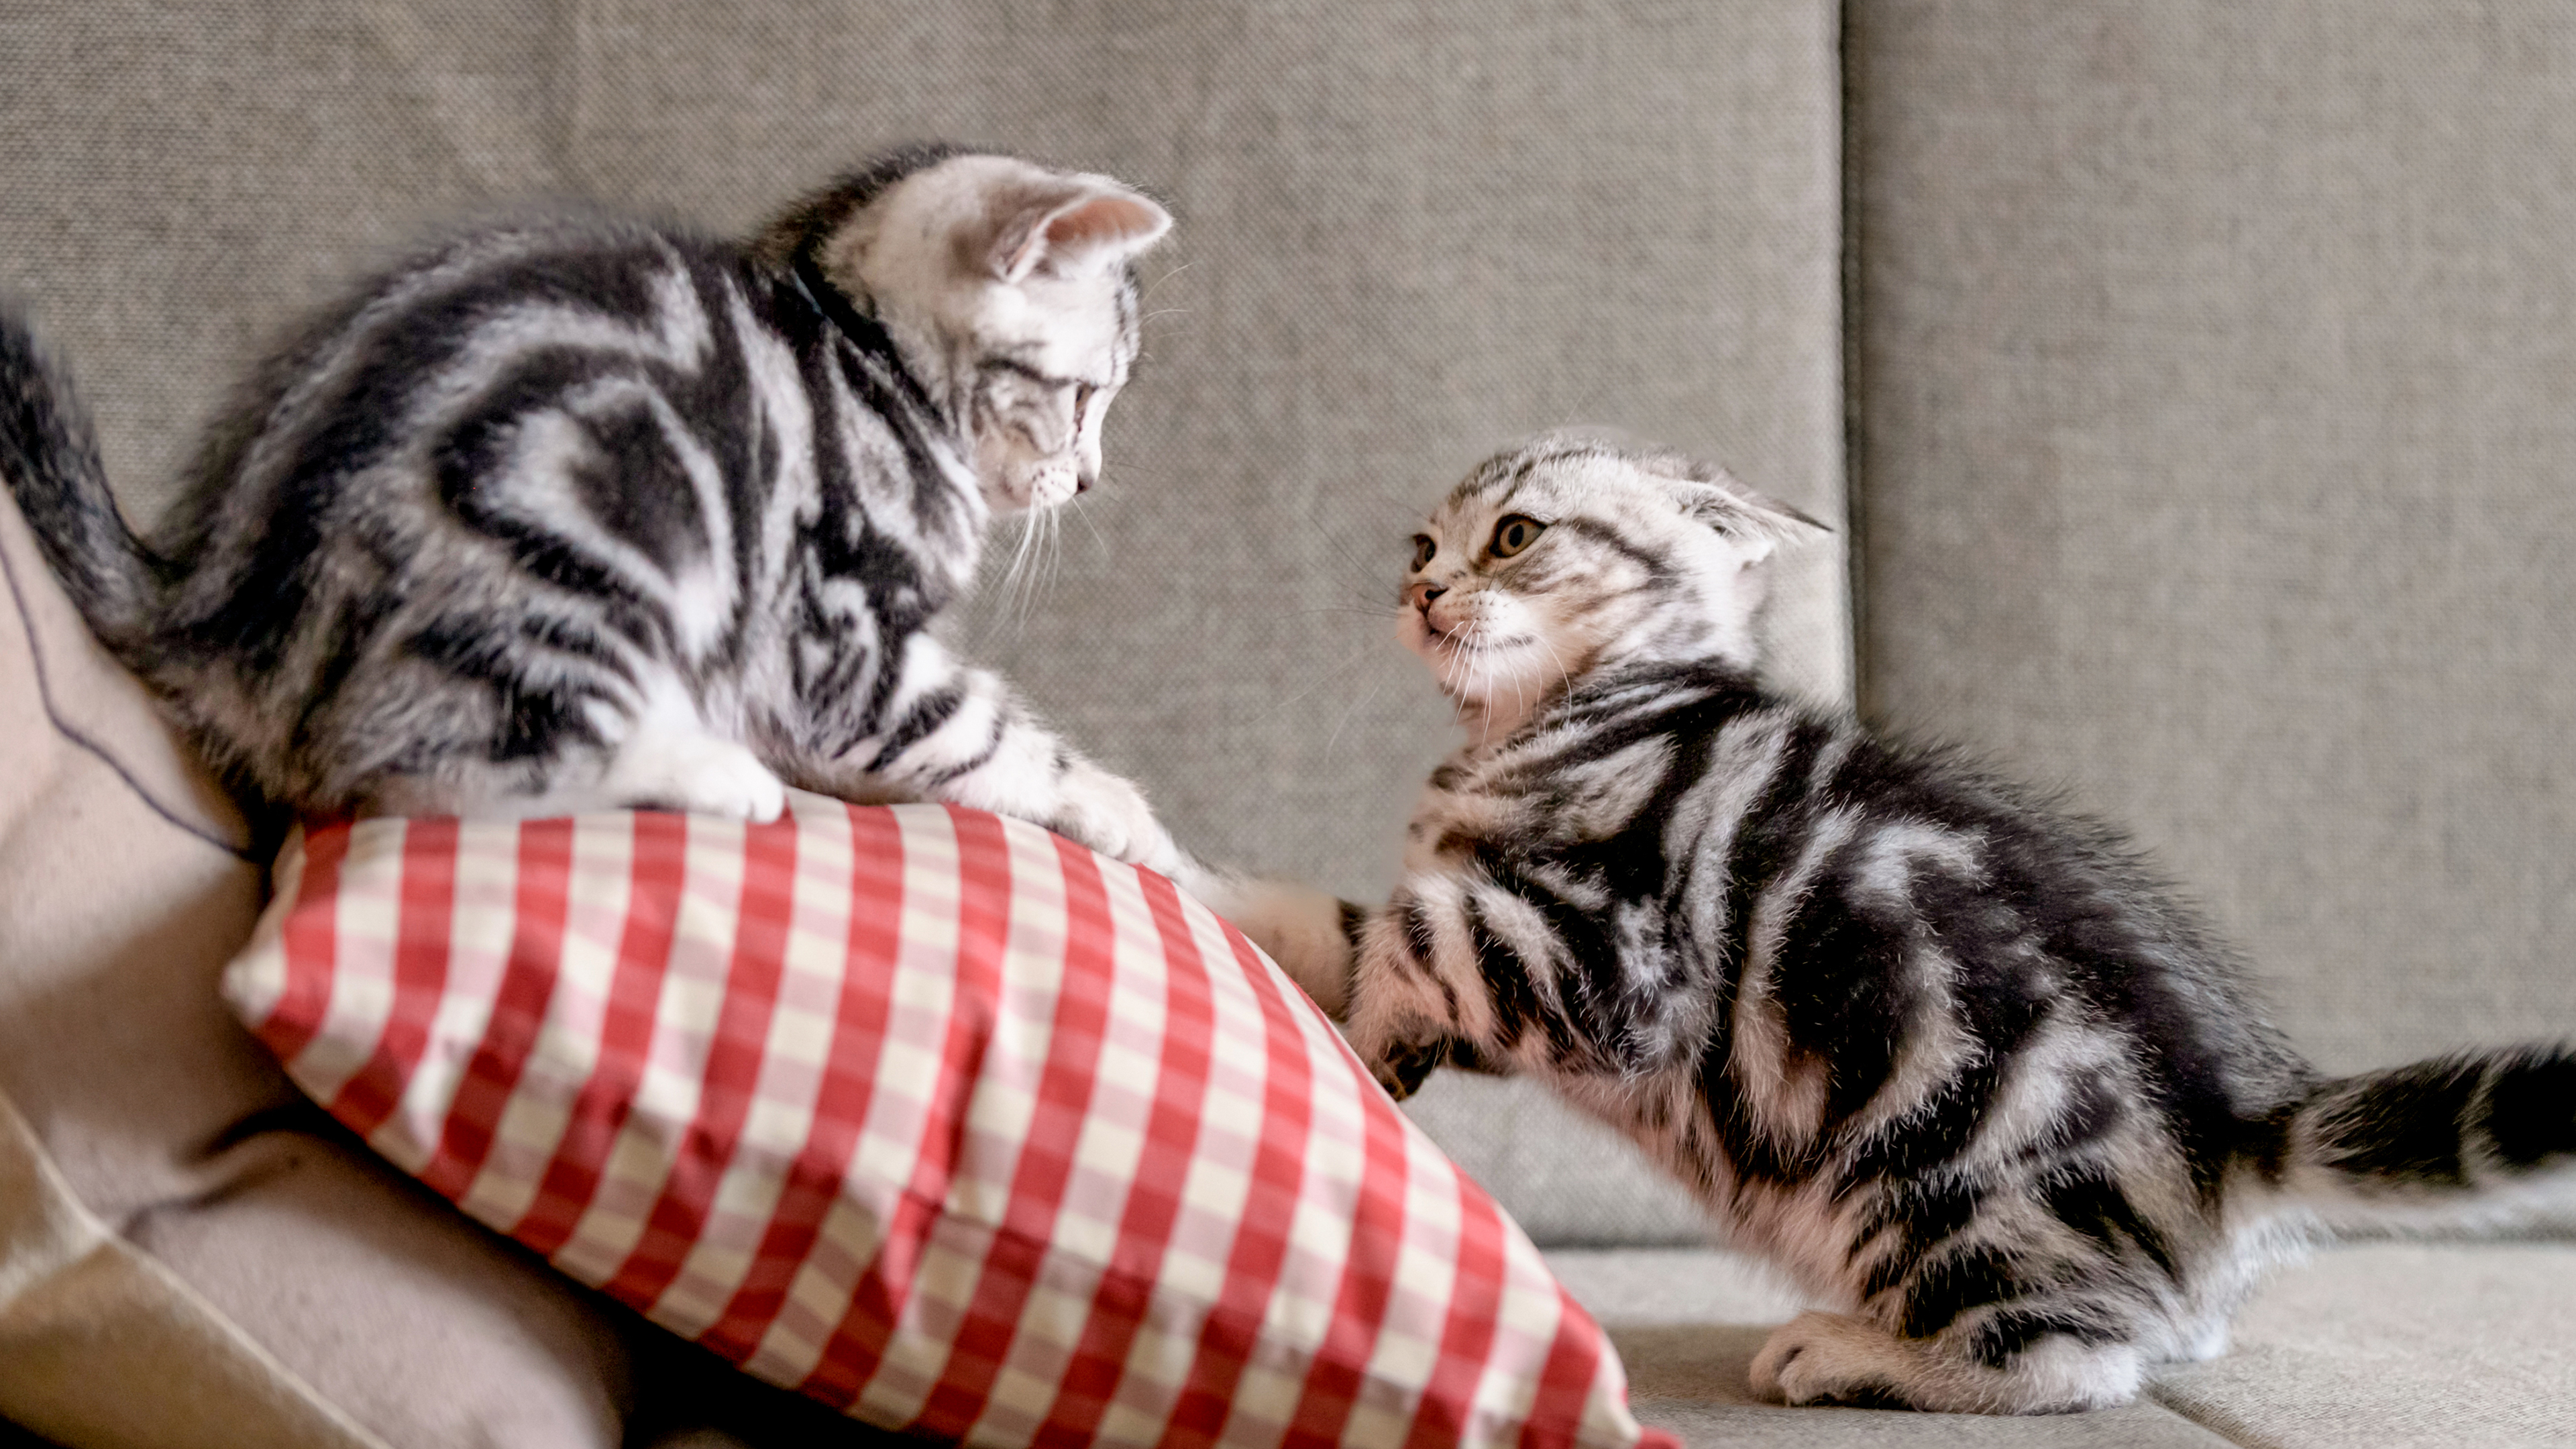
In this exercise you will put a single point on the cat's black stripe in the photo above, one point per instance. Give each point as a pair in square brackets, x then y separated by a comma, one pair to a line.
[1764, 841]
[1617, 542]
[1422, 943]
[2528, 1114]
[568, 636]
[2003, 1335]
[1841, 986]
[994, 737]
[532, 718]
[638, 489]
[2089, 1200]
[896, 596]
[925, 717]
[1508, 980]
[2408, 1125]
[543, 554]
[1906, 1219]
[349, 636]
[1952, 1283]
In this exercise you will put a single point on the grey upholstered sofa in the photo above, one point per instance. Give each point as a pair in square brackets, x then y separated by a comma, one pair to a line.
[2193, 385]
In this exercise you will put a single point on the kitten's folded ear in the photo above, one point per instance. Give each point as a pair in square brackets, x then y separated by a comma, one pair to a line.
[1762, 523]
[1068, 229]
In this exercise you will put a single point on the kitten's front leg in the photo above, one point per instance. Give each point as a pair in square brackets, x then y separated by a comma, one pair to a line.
[1417, 1000]
[954, 733]
[1310, 934]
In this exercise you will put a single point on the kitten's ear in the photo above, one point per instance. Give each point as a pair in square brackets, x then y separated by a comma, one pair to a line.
[1756, 521]
[1076, 228]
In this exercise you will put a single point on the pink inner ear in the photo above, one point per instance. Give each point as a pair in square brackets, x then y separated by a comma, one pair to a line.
[1122, 221]
[1096, 228]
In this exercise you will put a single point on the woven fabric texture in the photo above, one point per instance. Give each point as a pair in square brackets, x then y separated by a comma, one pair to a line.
[2216, 388]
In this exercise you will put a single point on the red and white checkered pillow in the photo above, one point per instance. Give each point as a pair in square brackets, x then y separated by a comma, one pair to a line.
[931, 1114]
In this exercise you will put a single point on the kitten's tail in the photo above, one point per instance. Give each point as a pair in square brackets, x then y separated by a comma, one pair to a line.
[2476, 1137]
[49, 454]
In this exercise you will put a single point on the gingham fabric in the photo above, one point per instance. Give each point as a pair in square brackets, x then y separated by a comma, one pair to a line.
[931, 1114]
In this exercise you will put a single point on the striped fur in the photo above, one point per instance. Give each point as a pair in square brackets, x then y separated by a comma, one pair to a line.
[585, 513]
[1956, 1061]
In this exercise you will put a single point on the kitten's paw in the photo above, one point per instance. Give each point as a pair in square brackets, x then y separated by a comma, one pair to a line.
[1109, 814]
[698, 774]
[1831, 1358]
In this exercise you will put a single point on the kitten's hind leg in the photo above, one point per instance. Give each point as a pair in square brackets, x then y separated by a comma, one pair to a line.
[1837, 1358]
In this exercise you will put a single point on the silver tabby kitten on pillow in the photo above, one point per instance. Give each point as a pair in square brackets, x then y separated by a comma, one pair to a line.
[1953, 1060]
[586, 513]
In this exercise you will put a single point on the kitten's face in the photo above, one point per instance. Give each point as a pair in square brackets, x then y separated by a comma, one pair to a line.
[1008, 287]
[1564, 555]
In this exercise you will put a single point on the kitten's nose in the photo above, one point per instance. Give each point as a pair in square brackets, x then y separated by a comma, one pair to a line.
[1420, 595]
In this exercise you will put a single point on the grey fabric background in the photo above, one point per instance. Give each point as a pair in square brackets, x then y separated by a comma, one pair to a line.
[1409, 233]
[2216, 379]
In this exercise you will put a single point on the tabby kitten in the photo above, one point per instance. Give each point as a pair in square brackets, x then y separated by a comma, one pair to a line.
[584, 513]
[1954, 1061]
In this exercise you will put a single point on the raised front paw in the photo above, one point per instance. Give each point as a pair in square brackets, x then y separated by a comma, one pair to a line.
[1109, 814]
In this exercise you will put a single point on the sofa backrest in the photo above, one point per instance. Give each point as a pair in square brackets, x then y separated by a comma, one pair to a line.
[2215, 381]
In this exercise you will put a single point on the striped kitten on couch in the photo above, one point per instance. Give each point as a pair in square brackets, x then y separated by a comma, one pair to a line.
[1953, 1060]
[585, 513]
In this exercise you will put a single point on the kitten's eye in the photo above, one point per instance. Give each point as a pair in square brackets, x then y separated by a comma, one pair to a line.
[1423, 549]
[1516, 533]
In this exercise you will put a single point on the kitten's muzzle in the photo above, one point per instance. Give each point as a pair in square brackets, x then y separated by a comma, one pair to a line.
[1421, 596]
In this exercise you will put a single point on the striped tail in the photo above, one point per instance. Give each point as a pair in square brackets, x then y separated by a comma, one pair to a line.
[49, 454]
[2460, 1136]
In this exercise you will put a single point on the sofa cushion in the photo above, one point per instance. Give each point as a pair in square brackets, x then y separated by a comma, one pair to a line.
[2380, 1346]
[926, 1112]
[101, 1344]
[124, 887]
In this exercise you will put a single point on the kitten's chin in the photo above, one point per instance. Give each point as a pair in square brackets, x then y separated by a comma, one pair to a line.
[1486, 677]
[1041, 487]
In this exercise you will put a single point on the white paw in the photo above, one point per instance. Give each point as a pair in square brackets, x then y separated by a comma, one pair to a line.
[1829, 1358]
[1110, 815]
[698, 774]
[1833, 1358]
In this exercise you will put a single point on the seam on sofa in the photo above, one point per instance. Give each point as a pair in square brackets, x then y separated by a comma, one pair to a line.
[1847, 331]
[65, 728]
[2218, 1424]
